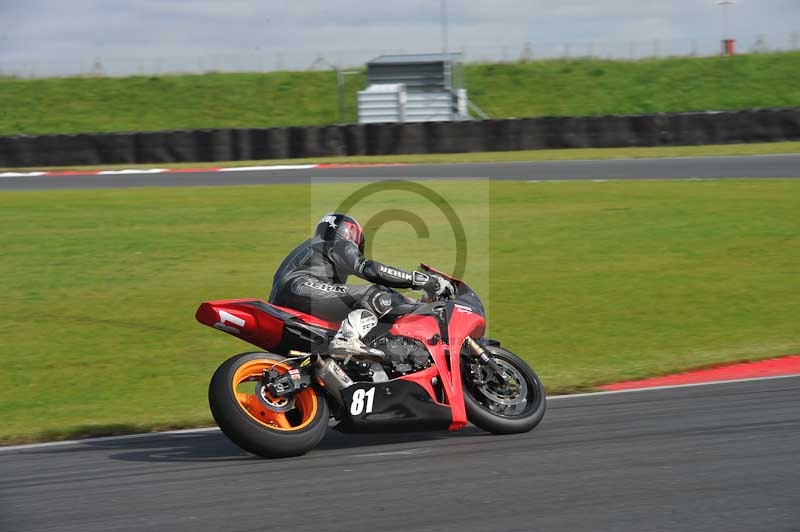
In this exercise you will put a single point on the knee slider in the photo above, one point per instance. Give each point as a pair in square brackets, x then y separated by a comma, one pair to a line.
[380, 301]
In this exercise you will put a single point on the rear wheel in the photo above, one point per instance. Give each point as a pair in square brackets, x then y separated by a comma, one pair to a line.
[256, 420]
[516, 405]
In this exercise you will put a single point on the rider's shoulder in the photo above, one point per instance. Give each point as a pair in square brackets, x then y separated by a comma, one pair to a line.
[344, 246]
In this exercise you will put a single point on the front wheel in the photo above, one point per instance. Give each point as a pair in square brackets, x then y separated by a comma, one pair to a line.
[257, 421]
[517, 405]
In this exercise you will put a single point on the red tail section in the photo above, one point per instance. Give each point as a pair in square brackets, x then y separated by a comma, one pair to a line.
[238, 317]
[254, 320]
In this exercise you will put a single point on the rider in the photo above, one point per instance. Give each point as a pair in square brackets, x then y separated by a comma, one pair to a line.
[312, 279]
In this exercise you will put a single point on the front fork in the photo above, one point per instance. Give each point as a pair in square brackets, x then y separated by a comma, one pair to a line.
[480, 352]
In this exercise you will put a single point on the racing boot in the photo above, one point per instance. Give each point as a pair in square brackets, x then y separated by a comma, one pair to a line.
[347, 344]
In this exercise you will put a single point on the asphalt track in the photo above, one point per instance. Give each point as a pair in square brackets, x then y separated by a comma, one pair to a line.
[765, 166]
[721, 457]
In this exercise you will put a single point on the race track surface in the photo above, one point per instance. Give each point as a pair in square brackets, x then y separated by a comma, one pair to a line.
[670, 168]
[722, 457]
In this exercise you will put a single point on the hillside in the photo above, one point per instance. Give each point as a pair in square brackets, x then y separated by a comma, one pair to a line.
[557, 87]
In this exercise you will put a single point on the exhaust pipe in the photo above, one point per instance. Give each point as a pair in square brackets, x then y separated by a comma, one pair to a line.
[331, 375]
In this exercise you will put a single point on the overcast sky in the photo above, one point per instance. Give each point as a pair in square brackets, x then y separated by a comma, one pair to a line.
[42, 37]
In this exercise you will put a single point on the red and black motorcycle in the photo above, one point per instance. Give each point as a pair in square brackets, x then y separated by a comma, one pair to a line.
[439, 373]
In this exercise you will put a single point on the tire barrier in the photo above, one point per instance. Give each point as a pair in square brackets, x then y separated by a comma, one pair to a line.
[216, 145]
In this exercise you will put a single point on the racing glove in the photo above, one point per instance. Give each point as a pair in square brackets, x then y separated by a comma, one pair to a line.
[433, 285]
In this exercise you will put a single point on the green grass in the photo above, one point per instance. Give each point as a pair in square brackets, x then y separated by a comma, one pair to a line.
[768, 148]
[557, 87]
[591, 282]
[596, 87]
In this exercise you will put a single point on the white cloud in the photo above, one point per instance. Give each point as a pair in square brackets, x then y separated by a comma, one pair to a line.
[61, 36]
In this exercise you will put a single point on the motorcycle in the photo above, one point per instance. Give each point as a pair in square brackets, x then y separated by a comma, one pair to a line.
[439, 373]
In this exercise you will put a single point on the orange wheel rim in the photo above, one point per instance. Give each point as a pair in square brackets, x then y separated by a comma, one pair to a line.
[276, 413]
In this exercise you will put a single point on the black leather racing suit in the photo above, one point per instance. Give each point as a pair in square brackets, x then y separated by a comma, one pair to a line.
[312, 279]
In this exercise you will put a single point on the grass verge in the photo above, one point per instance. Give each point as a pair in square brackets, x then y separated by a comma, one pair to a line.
[590, 282]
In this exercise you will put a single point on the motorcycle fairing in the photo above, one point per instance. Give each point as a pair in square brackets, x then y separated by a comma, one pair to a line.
[445, 352]
[397, 405]
[279, 330]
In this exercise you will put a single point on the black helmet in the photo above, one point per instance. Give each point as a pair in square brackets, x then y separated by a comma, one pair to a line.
[337, 226]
